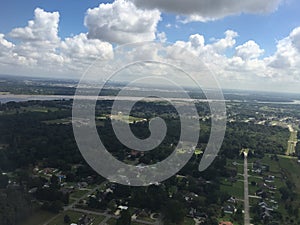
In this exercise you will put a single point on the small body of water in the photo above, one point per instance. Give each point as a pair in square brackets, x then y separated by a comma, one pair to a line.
[294, 102]
[25, 98]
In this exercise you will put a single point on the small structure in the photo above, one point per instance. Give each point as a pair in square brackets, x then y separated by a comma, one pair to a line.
[225, 223]
[232, 200]
[229, 209]
[121, 207]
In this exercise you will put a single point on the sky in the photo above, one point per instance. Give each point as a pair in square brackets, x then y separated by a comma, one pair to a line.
[249, 44]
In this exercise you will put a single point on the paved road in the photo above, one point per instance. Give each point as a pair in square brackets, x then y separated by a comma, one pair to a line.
[71, 206]
[246, 191]
[107, 216]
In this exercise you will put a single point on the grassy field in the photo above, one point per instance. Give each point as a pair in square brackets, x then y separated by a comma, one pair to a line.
[38, 218]
[291, 143]
[36, 108]
[59, 121]
[136, 223]
[291, 168]
[126, 119]
[235, 189]
[188, 221]
[74, 216]
[111, 221]
[78, 193]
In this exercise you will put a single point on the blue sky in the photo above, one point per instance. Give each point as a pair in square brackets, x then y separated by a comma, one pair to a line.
[265, 29]
[272, 26]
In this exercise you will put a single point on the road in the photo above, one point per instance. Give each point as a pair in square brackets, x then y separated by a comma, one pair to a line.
[107, 216]
[71, 206]
[246, 191]
[292, 142]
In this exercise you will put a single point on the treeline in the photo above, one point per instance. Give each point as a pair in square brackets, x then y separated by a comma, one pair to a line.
[15, 206]
[260, 139]
[30, 140]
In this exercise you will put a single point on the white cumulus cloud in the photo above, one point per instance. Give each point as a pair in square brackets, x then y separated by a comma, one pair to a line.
[121, 22]
[5, 46]
[39, 48]
[249, 50]
[81, 47]
[44, 27]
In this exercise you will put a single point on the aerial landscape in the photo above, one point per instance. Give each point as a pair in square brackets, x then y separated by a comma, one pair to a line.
[163, 112]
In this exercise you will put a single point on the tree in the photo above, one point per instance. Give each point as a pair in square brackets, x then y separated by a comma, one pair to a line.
[67, 219]
[210, 221]
[3, 181]
[54, 181]
[174, 212]
[56, 206]
[125, 218]
[285, 193]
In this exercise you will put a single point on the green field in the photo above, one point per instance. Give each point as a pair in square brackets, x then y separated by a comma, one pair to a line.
[188, 221]
[112, 221]
[78, 193]
[126, 119]
[292, 143]
[59, 121]
[38, 218]
[235, 189]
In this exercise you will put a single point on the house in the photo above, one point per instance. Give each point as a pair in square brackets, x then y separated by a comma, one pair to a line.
[191, 212]
[229, 209]
[194, 213]
[263, 204]
[261, 193]
[259, 171]
[232, 200]
[271, 177]
[136, 154]
[269, 181]
[120, 207]
[258, 167]
[266, 214]
[225, 223]
[190, 196]
[33, 190]
[61, 177]
[84, 220]
[82, 185]
[232, 179]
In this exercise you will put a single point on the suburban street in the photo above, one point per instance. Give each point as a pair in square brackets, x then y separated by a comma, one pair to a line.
[246, 190]
[107, 216]
[71, 206]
